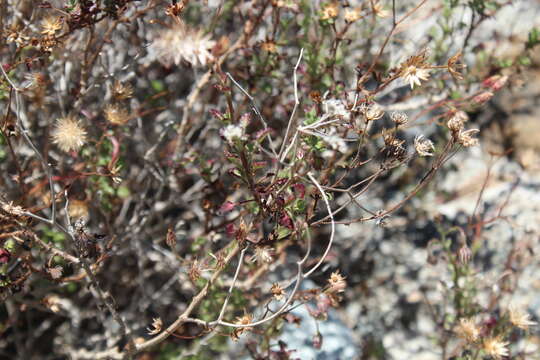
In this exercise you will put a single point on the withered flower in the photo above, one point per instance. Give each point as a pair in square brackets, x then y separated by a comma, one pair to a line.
[68, 134]
[466, 139]
[51, 25]
[495, 347]
[415, 69]
[242, 320]
[330, 11]
[122, 91]
[467, 330]
[519, 318]
[277, 291]
[337, 282]
[156, 326]
[423, 146]
[116, 115]
[454, 66]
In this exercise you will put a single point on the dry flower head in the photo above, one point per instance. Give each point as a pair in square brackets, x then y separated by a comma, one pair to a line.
[277, 291]
[467, 330]
[330, 11]
[496, 347]
[51, 25]
[181, 43]
[156, 326]
[466, 138]
[337, 282]
[241, 320]
[122, 91]
[68, 134]
[423, 146]
[116, 115]
[519, 317]
[415, 69]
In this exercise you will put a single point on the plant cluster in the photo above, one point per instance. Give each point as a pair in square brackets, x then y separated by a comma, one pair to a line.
[174, 171]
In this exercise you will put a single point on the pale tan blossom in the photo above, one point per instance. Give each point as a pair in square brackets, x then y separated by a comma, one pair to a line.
[330, 11]
[467, 330]
[68, 134]
[122, 91]
[373, 112]
[495, 347]
[519, 318]
[156, 326]
[413, 74]
[263, 255]
[466, 138]
[380, 11]
[352, 15]
[116, 115]
[423, 146]
[51, 25]
[241, 320]
[12, 209]
[181, 43]
[415, 69]
[337, 282]
[399, 118]
[456, 122]
[277, 291]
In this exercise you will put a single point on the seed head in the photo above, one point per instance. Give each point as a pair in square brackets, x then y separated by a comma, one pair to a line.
[423, 146]
[179, 43]
[352, 15]
[399, 118]
[519, 318]
[116, 115]
[495, 347]
[277, 291]
[466, 139]
[51, 25]
[455, 123]
[263, 255]
[68, 134]
[330, 11]
[156, 326]
[467, 330]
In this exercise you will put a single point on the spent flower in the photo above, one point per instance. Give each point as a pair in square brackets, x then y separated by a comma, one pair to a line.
[423, 146]
[179, 43]
[68, 134]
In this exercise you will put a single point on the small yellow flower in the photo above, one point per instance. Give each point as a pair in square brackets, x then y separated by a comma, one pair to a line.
[495, 347]
[68, 134]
